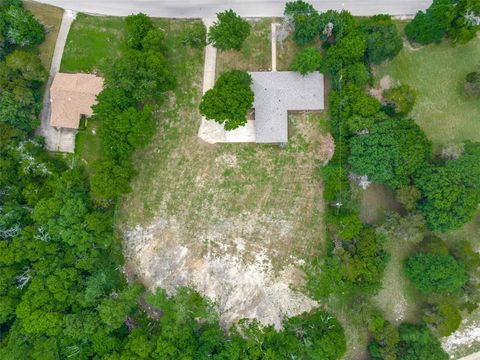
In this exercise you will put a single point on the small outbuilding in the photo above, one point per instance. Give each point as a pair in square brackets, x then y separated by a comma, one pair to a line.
[71, 96]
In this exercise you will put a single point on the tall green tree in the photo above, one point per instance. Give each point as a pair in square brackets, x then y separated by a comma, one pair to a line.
[418, 342]
[383, 39]
[306, 21]
[390, 153]
[22, 28]
[450, 191]
[432, 273]
[229, 31]
[138, 26]
[229, 100]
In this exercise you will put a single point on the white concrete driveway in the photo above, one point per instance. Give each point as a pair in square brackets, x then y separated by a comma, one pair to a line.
[245, 8]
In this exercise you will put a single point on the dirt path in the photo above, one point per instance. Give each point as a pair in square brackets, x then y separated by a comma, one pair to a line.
[57, 140]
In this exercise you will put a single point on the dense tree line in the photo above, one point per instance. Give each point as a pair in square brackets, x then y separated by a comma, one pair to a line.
[133, 82]
[459, 20]
[22, 75]
[376, 139]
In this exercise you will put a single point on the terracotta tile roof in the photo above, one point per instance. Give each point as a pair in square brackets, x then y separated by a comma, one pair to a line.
[73, 95]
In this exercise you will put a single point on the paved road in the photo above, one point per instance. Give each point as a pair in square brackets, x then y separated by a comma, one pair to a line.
[246, 8]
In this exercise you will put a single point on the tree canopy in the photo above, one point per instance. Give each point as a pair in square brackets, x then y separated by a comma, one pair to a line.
[418, 342]
[306, 21]
[450, 191]
[383, 39]
[21, 28]
[229, 31]
[432, 273]
[390, 153]
[459, 20]
[229, 100]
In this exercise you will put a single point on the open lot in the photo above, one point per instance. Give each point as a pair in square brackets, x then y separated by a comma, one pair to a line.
[437, 73]
[51, 18]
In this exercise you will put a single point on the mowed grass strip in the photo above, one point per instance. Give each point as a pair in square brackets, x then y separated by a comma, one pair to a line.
[437, 72]
[51, 18]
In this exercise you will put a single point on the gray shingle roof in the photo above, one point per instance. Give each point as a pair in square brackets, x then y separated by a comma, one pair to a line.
[278, 92]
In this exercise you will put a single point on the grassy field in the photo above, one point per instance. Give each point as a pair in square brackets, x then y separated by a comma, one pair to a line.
[437, 73]
[51, 18]
[255, 54]
[92, 42]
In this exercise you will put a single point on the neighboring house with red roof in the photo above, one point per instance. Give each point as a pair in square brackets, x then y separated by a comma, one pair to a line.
[72, 95]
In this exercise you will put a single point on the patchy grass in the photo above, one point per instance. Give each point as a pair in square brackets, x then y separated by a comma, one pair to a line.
[375, 202]
[437, 72]
[286, 51]
[51, 18]
[88, 144]
[256, 52]
[93, 41]
[398, 298]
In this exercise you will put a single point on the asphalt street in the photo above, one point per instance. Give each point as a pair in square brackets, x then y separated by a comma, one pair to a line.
[245, 8]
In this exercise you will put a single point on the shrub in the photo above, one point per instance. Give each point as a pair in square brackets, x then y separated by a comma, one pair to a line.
[195, 36]
[472, 84]
[307, 60]
[400, 98]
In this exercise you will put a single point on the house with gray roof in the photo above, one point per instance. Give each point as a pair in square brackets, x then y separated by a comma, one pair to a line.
[276, 93]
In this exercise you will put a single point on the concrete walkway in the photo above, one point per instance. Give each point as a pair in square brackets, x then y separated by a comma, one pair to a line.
[64, 139]
[211, 131]
[475, 356]
[274, 46]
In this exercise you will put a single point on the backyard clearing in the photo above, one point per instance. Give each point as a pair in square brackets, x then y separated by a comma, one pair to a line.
[437, 73]
[234, 221]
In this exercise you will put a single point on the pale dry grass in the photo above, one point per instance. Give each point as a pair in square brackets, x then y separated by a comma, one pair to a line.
[51, 18]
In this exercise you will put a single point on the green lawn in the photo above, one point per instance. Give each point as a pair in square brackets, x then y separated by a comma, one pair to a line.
[437, 73]
[93, 41]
